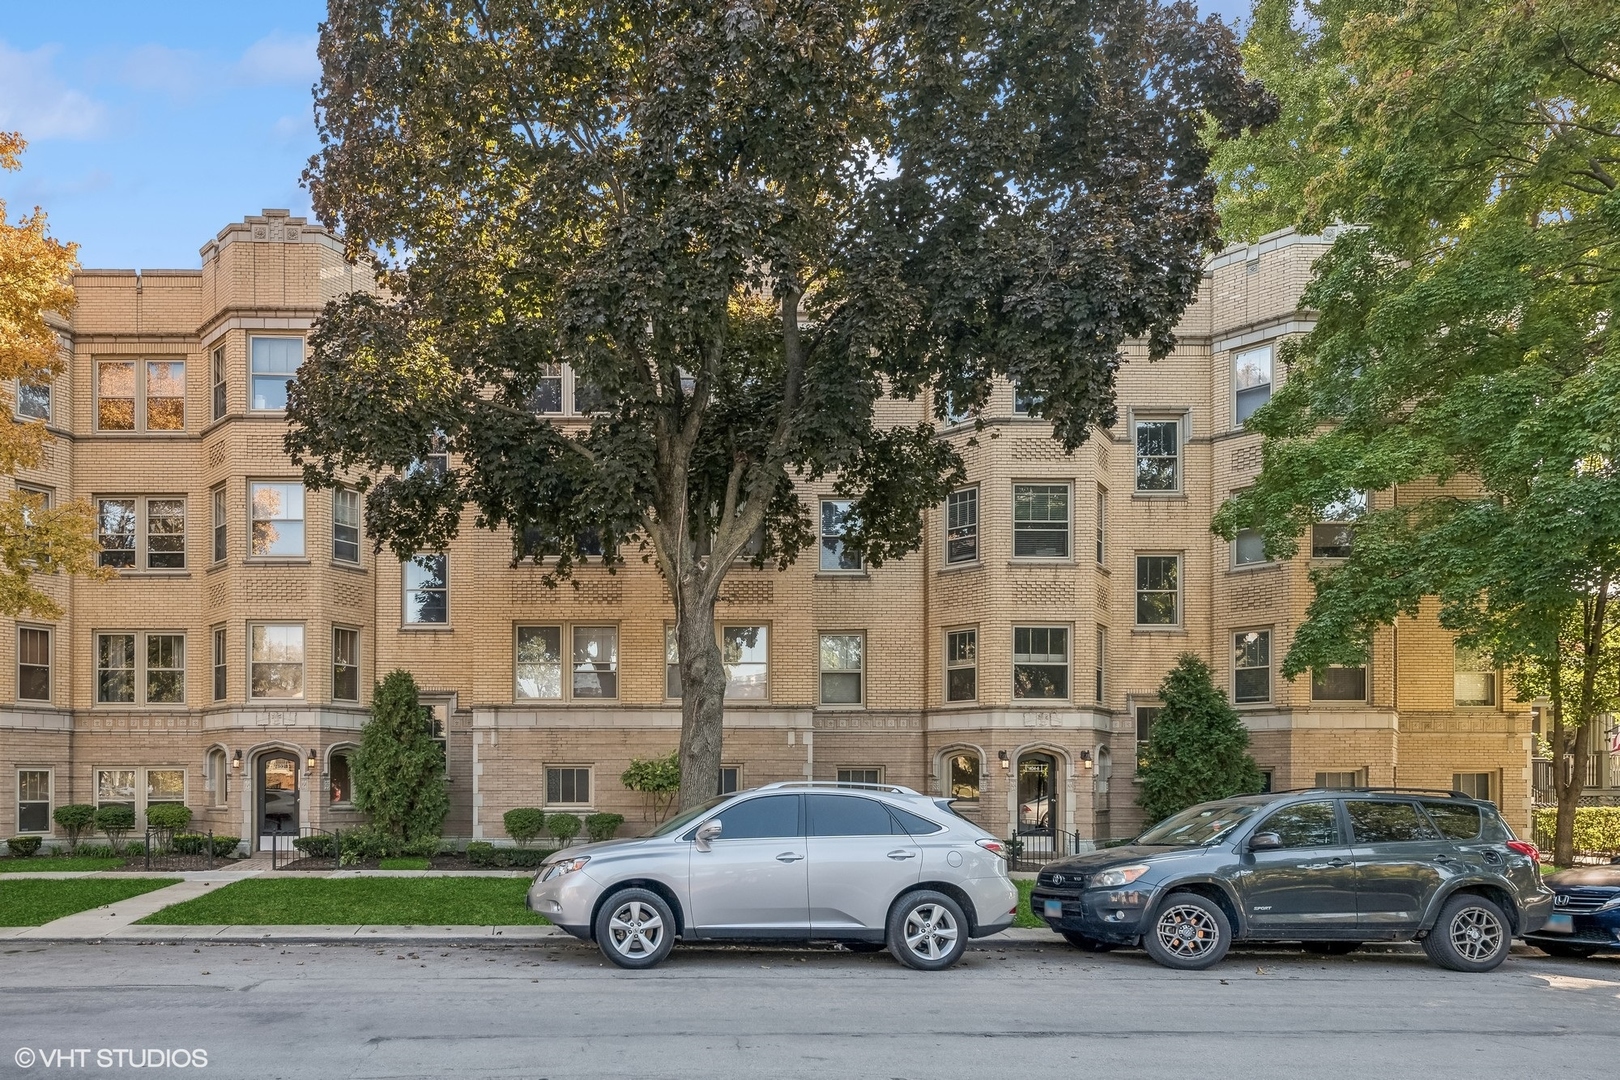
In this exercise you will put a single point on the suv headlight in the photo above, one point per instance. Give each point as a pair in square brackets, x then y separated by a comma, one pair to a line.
[1118, 876]
[567, 866]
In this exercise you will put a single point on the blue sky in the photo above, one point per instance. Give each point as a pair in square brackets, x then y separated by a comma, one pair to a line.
[153, 125]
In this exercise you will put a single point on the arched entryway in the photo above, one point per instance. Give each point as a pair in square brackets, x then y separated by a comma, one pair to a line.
[1038, 782]
[276, 814]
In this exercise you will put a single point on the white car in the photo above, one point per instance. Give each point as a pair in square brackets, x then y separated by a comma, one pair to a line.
[866, 864]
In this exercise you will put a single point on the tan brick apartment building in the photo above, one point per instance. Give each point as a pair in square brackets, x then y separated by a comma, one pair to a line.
[1012, 661]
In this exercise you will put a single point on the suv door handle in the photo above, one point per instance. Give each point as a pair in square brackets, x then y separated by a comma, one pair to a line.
[1333, 862]
[789, 856]
[902, 854]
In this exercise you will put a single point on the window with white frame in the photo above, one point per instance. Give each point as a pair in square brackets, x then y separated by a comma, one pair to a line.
[547, 396]
[1251, 667]
[860, 774]
[277, 519]
[568, 785]
[1158, 590]
[730, 779]
[41, 498]
[596, 662]
[345, 525]
[745, 652]
[33, 800]
[1025, 401]
[165, 786]
[1474, 682]
[218, 380]
[1336, 683]
[1334, 533]
[33, 663]
[140, 788]
[140, 395]
[962, 664]
[962, 526]
[1476, 785]
[672, 664]
[1040, 521]
[142, 532]
[221, 550]
[218, 778]
[345, 664]
[1146, 716]
[33, 400]
[340, 778]
[1102, 655]
[221, 664]
[835, 519]
[273, 361]
[1251, 381]
[843, 665]
[1102, 523]
[427, 590]
[276, 660]
[1158, 455]
[1249, 548]
[539, 663]
[1040, 662]
[140, 669]
[1342, 780]
[116, 787]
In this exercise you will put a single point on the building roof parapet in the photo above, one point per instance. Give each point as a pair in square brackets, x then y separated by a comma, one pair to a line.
[1274, 241]
[273, 226]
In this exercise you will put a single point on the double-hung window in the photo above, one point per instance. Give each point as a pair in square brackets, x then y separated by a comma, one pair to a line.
[1102, 523]
[1158, 455]
[221, 531]
[596, 662]
[277, 523]
[140, 395]
[962, 526]
[1040, 662]
[219, 381]
[672, 664]
[34, 400]
[1251, 667]
[274, 362]
[1249, 548]
[843, 665]
[33, 800]
[1040, 521]
[835, 519]
[547, 396]
[276, 660]
[568, 785]
[346, 525]
[146, 533]
[1251, 381]
[345, 664]
[427, 590]
[1158, 590]
[1474, 682]
[1334, 533]
[1025, 401]
[33, 664]
[745, 651]
[221, 664]
[539, 663]
[962, 665]
[1102, 654]
[1339, 683]
[140, 669]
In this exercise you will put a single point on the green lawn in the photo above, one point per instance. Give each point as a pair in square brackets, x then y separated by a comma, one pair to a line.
[42, 864]
[347, 901]
[36, 901]
[1025, 919]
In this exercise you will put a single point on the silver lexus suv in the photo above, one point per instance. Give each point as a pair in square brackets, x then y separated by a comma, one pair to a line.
[865, 864]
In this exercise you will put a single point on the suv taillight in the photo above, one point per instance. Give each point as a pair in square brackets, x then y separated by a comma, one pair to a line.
[994, 847]
[1525, 847]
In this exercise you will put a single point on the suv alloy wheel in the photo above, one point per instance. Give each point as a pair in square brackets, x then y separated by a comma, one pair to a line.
[635, 928]
[1189, 932]
[927, 931]
[1471, 934]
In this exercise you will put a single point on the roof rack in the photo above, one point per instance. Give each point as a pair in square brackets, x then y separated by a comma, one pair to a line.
[1380, 791]
[893, 789]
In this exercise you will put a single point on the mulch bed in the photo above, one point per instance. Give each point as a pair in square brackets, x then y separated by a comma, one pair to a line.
[435, 862]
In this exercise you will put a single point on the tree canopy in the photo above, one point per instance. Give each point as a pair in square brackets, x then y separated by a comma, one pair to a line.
[1464, 359]
[741, 226]
[36, 279]
[1198, 748]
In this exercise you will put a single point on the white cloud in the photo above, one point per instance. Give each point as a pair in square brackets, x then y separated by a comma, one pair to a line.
[280, 58]
[179, 73]
[40, 105]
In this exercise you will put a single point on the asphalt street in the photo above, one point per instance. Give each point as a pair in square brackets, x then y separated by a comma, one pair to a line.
[557, 1011]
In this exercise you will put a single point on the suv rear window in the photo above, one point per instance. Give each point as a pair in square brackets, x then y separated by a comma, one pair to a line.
[1377, 821]
[1455, 820]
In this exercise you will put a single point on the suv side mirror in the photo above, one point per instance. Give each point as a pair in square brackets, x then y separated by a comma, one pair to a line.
[709, 830]
[1265, 841]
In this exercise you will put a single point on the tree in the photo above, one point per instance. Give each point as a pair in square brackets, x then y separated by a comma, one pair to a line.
[1197, 749]
[657, 778]
[399, 768]
[1464, 359]
[36, 275]
[75, 819]
[742, 225]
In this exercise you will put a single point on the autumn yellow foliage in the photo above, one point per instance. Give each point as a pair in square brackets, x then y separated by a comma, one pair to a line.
[35, 279]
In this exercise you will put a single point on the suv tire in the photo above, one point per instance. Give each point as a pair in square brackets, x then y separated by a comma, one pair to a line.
[1086, 944]
[1189, 933]
[635, 928]
[1471, 934]
[1331, 948]
[927, 930]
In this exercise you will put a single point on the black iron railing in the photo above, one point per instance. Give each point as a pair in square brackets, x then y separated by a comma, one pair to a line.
[317, 848]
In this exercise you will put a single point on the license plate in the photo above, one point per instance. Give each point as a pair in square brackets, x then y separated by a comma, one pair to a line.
[1054, 909]
[1560, 924]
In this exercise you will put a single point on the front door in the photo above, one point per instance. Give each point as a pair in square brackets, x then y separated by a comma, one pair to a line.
[1306, 888]
[1400, 858]
[753, 881]
[278, 801]
[860, 860]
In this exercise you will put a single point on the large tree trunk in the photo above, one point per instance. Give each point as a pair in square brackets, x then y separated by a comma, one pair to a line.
[1569, 777]
[703, 697]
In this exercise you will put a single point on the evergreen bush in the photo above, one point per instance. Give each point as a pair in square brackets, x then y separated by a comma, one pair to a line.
[1197, 750]
[399, 768]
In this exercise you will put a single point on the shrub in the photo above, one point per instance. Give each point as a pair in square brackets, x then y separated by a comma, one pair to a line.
[1597, 829]
[116, 822]
[75, 818]
[483, 855]
[601, 827]
[318, 846]
[367, 842]
[225, 846]
[399, 768]
[168, 816]
[524, 824]
[23, 846]
[564, 827]
[1198, 749]
[135, 848]
[189, 843]
[421, 847]
[97, 851]
[657, 778]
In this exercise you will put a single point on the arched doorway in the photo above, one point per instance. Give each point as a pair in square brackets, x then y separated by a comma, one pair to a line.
[1037, 812]
[277, 816]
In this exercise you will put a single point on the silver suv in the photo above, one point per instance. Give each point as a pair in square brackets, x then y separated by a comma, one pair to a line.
[865, 864]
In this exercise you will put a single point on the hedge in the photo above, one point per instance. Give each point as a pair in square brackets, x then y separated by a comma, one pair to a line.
[1597, 829]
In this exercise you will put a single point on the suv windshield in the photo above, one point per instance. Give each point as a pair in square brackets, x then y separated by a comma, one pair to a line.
[681, 821]
[1198, 825]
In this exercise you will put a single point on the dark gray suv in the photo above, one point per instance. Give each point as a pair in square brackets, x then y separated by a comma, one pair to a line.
[1332, 869]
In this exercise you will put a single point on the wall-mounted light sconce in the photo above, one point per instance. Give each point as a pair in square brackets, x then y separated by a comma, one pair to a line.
[1001, 755]
[236, 762]
[310, 762]
[1085, 760]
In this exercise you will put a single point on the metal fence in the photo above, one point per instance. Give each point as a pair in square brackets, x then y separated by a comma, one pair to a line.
[311, 848]
[1031, 851]
[176, 849]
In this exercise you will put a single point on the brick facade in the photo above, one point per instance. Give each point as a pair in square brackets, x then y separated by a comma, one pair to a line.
[269, 277]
